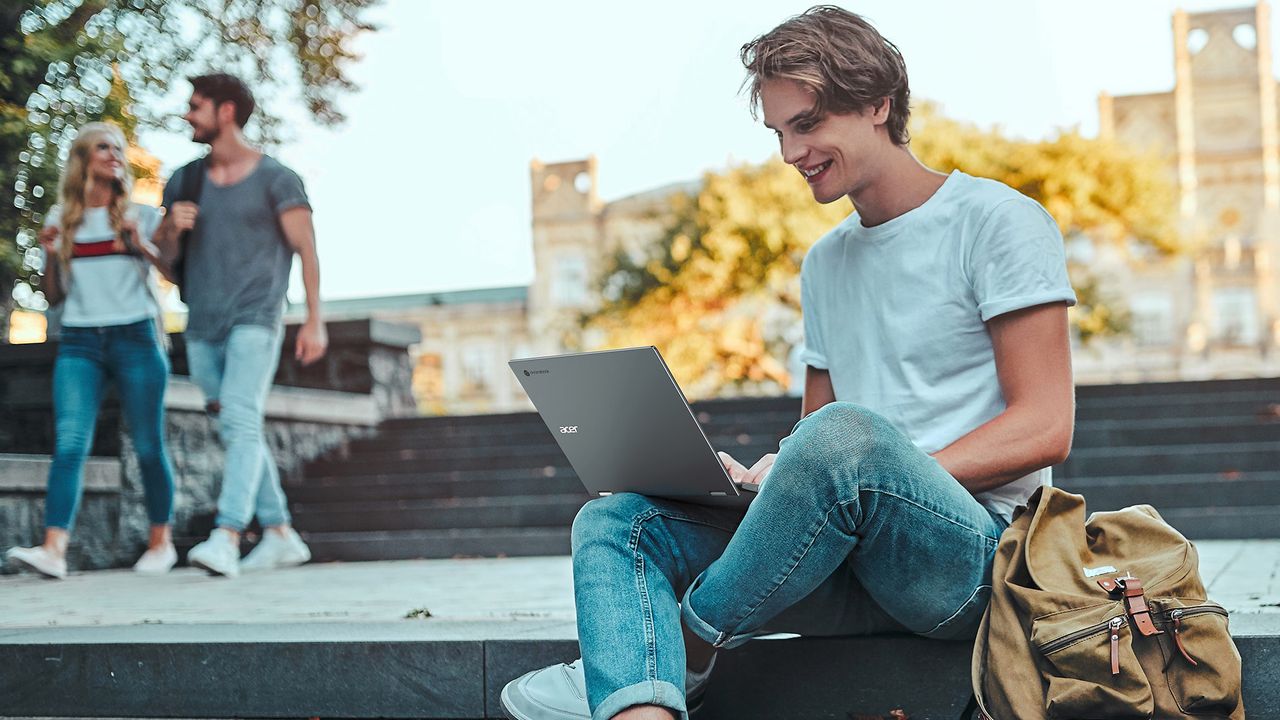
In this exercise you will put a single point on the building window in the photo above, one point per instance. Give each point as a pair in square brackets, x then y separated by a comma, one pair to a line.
[477, 368]
[569, 283]
[1152, 319]
[1235, 312]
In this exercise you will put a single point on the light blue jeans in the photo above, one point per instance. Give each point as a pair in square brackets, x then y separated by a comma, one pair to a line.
[856, 531]
[236, 374]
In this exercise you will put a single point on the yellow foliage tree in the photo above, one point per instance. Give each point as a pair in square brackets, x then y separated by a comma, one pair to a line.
[719, 292]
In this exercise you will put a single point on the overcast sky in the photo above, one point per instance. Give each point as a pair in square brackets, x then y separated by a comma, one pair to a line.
[426, 187]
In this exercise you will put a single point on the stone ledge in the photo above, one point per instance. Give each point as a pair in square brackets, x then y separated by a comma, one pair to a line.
[30, 473]
[451, 669]
[289, 403]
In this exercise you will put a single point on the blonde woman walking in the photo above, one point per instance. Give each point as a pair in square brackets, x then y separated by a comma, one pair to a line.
[98, 258]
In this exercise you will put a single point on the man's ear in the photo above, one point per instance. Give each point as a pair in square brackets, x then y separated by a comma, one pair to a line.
[880, 114]
[225, 112]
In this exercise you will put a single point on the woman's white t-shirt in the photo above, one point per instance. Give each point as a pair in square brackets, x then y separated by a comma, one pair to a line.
[107, 285]
[897, 313]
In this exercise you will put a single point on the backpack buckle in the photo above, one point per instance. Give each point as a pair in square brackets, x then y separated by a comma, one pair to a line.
[1135, 604]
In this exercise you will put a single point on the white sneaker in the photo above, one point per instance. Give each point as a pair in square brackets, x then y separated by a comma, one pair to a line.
[38, 559]
[157, 561]
[220, 554]
[276, 551]
[559, 692]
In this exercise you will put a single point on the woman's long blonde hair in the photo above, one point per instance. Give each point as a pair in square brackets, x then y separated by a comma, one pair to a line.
[74, 183]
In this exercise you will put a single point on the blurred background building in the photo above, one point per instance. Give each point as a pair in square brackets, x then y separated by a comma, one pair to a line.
[1213, 312]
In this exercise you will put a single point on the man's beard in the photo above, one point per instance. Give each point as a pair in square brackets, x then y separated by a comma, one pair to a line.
[203, 136]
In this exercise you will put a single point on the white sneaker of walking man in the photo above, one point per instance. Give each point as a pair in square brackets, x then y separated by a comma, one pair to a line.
[220, 554]
[277, 549]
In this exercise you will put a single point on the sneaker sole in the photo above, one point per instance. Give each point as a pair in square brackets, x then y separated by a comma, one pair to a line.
[512, 714]
[508, 712]
[37, 569]
[212, 570]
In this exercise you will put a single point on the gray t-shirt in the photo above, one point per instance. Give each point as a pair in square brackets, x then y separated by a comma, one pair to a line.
[237, 259]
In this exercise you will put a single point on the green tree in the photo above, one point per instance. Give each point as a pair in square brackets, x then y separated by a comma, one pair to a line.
[67, 62]
[718, 293]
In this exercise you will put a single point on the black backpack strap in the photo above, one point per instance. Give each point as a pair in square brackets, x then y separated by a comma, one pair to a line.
[189, 191]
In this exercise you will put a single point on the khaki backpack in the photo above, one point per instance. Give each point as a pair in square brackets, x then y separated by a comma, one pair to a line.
[1104, 618]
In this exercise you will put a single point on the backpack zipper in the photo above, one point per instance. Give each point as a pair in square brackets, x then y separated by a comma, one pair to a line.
[1174, 617]
[1114, 624]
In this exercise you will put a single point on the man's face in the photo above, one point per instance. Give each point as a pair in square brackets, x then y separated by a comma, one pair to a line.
[836, 153]
[202, 116]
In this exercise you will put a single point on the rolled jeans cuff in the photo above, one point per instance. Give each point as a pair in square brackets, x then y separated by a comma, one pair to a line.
[650, 692]
[702, 628]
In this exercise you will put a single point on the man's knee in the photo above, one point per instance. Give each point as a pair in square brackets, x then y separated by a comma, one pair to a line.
[840, 432]
[238, 420]
[609, 515]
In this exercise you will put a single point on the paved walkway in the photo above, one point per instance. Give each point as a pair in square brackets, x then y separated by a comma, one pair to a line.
[1243, 575]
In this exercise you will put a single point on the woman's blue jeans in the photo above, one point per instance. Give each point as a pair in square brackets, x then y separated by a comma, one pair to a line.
[856, 531]
[131, 356]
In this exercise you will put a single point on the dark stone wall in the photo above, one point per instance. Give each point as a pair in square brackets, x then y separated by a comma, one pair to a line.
[365, 358]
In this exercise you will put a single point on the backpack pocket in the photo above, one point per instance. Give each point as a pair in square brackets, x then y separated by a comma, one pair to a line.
[1089, 666]
[1202, 665]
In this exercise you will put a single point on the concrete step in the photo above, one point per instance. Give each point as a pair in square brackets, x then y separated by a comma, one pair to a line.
[1244, 407]
[1181, 387]
[447, 543]
[482, 512]
[1225, 523]
[1172, 491]
[425, 452]
[456, 670]
[410, 487]
[1174, 431]
[1213, 458]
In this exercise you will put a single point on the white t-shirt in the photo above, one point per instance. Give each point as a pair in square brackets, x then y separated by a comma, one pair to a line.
[897, 312]
[108, 286]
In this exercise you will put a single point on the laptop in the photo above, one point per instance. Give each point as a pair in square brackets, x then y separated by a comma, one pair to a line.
[625, 426]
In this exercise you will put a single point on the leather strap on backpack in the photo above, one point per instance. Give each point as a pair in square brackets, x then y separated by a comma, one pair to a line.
[1135, 602]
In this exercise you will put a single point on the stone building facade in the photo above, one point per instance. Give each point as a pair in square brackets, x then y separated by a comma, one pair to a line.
[468, 336]
[1214, 312]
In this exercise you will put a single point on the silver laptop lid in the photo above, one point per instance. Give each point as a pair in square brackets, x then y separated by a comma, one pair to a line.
[624, 424]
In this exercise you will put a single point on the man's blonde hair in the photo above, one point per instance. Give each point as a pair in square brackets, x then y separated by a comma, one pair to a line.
[838, 56]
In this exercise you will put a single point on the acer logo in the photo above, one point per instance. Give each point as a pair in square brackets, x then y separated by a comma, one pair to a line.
[568, 429]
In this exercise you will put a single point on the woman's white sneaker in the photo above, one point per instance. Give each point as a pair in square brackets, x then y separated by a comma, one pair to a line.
[157, 561]
[38, 559]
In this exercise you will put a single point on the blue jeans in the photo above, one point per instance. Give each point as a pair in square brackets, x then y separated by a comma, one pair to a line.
[131, 356]
[236, 374]
[856, 531]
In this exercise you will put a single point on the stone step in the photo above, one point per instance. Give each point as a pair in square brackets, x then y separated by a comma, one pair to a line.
[425, 445]
[1246, 407]
[1213, 458]
[426, 451]
[533, 459]
[1180, 387]
[1225, 523]
[410, 474]
[482, 512]
[456, 670]
[447, 543]
[1171, 491]
[1173, 431]
[417, 487]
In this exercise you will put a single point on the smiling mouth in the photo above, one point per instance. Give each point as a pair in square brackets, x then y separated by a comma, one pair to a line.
[813, 173]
